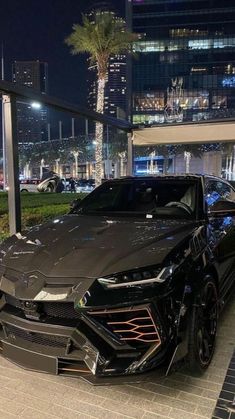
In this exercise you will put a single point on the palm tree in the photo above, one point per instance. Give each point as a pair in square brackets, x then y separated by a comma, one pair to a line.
[100, 36]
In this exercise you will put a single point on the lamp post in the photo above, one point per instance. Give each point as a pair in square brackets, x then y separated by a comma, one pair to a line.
[151, 167]
[187, 157]
[122, 156]
[57, 166]
[75, 154]
[41, 167]
[27, 172]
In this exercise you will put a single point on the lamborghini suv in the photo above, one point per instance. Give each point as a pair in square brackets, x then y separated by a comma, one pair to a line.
[133, 278]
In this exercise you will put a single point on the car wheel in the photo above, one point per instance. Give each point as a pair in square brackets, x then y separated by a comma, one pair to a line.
[24, 190]
[49, 188]
[203, 327]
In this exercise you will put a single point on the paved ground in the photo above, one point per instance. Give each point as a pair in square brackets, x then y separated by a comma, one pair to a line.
[225, 408]
[30, 395]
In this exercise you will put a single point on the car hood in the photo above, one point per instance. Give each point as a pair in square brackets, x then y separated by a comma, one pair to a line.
[78, 246]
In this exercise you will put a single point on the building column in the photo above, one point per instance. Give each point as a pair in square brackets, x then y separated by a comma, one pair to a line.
[129, 154]
[212, 163]
[12, 157]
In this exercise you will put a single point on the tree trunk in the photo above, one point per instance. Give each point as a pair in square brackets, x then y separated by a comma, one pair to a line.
[230, 166]
[99, 133]
[233, 178]
[165, 165]
[226, 168]
[187, 157]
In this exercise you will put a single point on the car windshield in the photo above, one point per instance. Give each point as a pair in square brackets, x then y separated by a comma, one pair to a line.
[156, 197]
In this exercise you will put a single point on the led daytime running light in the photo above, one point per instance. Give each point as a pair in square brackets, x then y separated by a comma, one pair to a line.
[129, 279]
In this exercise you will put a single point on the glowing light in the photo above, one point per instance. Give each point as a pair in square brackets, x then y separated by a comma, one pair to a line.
[36, 105]
[228, 82]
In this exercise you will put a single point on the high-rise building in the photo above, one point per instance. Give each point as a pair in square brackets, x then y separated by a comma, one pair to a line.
[115, 99]
[185, 69]
[31, 118]
[115, 88]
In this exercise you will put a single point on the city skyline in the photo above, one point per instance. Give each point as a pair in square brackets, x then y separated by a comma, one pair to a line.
[31, 118]
[32, 31]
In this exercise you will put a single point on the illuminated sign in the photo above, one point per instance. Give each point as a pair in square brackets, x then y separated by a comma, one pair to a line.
[228, 82]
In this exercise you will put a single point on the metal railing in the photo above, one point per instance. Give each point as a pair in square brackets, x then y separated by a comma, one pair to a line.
[11, 93]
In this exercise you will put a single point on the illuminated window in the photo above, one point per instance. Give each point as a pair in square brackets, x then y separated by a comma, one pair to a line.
[149, 101]
[198, 69]
[180, 44]
[228, 81]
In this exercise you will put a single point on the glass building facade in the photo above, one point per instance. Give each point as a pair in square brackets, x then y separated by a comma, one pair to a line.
[31, 120]
[115, 88]
[185, 64]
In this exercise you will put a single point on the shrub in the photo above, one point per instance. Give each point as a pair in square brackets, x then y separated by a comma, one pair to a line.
[34, 200]
[36, 209]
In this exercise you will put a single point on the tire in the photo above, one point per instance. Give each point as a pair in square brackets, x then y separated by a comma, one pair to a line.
[49, 188]
[203, 327]
[24, 190]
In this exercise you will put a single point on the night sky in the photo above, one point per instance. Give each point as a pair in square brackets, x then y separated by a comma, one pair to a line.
[35, 29]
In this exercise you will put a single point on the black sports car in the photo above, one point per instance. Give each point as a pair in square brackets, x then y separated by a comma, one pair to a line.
[131, 279]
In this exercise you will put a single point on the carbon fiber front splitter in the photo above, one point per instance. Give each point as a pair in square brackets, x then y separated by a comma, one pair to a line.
[63, 350]
[37, 362]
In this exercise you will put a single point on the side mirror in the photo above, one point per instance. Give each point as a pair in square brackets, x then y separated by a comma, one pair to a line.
[222, 208]
[74, 203]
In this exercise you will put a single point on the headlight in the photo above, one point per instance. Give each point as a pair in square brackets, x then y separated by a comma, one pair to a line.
[145, 276]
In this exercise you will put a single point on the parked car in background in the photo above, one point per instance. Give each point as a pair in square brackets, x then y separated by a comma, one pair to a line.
[29, 185]
[49, 184]
[86, 186]
[133, 278]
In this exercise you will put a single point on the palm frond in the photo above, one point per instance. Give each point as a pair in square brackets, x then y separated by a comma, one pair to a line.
[100, 37]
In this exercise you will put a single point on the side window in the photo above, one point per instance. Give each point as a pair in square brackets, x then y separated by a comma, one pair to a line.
[218, 190]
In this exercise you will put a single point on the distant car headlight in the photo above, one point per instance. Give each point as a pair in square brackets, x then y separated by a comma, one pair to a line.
[145, 276]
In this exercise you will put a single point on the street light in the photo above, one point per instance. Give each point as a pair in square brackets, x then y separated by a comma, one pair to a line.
[36, 105]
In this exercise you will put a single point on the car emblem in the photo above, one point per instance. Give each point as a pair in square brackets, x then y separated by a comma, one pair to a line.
[30, 305]
[28, 280]
[31, 310]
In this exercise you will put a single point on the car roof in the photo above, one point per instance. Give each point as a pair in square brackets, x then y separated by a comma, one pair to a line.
[158, 177]
[183, 176]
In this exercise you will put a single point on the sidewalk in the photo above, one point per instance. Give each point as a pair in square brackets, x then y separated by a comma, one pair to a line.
[30, 395]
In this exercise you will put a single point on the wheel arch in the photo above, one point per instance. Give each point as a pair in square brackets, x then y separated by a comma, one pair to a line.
[211, 270]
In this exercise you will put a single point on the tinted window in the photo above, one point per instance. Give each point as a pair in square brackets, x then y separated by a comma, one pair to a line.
[170, 198]
[218, 190]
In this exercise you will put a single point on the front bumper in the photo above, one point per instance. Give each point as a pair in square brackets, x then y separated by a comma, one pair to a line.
[103, 343]
[40, 347]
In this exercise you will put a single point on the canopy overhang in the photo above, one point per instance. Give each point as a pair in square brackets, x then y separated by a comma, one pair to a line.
[188, 133]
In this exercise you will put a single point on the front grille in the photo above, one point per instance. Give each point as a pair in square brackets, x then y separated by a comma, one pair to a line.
[60, 310]
[39, 338]
[132, 325]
